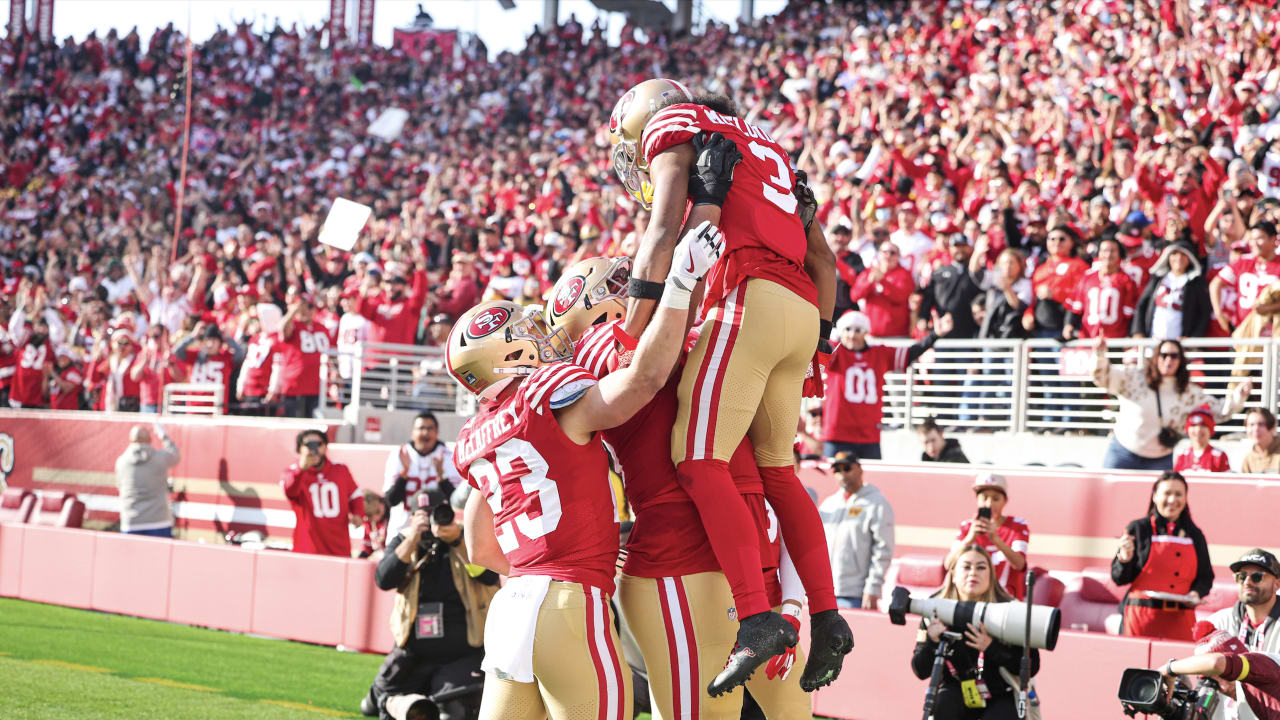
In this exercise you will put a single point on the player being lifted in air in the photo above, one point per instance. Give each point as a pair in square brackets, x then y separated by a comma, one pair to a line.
[767, 308]
[543, 514]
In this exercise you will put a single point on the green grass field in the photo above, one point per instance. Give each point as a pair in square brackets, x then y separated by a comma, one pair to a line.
[60, 662]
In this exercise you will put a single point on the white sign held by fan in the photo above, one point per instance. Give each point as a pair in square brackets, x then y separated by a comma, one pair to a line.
[269, 317]
[343, 225]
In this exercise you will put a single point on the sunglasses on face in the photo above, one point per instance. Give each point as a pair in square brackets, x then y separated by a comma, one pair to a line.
[1255, 577]
[1170, 355]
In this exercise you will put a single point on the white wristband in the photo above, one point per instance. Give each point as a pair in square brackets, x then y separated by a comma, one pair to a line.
[674, 296]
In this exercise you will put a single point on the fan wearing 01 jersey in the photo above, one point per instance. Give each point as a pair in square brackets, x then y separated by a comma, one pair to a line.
[543, 513]
[760, 337]
[855, 385]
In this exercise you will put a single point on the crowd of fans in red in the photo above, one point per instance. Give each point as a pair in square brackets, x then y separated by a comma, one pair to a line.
[1076, 149]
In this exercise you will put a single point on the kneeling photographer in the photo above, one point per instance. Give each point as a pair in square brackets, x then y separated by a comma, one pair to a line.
[1252, 679]
[438, 620]
[973, 685]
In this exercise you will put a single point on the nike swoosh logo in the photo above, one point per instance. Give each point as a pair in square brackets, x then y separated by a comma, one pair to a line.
[690, 268]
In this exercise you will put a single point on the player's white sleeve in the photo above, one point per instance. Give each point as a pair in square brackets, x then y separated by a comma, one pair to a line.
[792, 588]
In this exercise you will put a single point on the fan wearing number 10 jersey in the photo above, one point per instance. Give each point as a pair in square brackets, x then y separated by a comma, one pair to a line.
[324, 497]
[543, 513]
[762, 332]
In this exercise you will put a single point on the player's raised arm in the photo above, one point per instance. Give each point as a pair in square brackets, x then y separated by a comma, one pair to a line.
[617, 397]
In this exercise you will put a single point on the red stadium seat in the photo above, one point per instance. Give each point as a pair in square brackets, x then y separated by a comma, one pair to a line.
[59, 509]
[1049, 590]
[1223, 595]
[16, 505]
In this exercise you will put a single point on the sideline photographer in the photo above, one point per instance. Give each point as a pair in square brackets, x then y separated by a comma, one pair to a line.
[438, 619]
[973, 686]
[1248, 677]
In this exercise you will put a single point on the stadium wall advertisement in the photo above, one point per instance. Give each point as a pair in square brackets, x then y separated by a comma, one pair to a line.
[228, 480]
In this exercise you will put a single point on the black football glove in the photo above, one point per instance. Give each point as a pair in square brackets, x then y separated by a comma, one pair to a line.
[712, 173]
[808, 203]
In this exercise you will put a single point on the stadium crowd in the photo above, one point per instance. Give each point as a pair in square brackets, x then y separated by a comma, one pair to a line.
[1112, 164]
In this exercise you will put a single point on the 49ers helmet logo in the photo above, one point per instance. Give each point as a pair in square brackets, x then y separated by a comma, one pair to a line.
[487, 321]
[569, 295]
[620, 110]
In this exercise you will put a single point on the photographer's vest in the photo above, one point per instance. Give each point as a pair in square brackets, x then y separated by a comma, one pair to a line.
[476, 597]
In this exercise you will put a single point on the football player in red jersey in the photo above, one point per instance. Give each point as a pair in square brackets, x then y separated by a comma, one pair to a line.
[855, 385]
[1105, 299]
[760, 336]
[543, 514]
[305, 342]
[324, 497]
[672, 593]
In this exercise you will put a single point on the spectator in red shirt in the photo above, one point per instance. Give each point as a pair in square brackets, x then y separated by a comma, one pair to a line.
[1106, 298]
[213, 360]
[1201, 455]
[324, 498]
[1249, 276]
[65, 381]
[461, 291]
[155, 368]
[1054, 282]
[35, 360]
[394, 314]
[855, 386]
[1005, 538]
[258, 386]
[305, 344]
[883, 290]
[109, 366]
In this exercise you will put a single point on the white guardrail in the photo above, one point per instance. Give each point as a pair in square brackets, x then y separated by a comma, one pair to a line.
[1046, 386]
[393, 377]
[1009, 385]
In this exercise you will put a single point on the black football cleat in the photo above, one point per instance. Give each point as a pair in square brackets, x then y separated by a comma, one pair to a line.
[760, 637]
[830, 639]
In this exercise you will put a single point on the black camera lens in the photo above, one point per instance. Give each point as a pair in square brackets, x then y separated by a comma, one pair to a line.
[442, 515]
[1145, 689]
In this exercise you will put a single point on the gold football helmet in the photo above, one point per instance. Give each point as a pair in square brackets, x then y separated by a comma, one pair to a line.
[590, 291]
[496, 341]
[626, 131]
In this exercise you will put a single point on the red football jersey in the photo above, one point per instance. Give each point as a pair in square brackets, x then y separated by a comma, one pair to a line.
[1211, 460]
[1106, 304]
[1249, 276]
[1228, 300]
[764, 237]
[304, 349]
[855, 398]
[28, 376]
[322, 498]
[262, 359]
[69, 400]
[213, 369]
[1015, 533]
[1138, 267]
[554, 511]
[8, 359]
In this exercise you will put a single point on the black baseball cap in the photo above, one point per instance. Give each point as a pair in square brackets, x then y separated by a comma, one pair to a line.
[1259, 557]
[844, 457]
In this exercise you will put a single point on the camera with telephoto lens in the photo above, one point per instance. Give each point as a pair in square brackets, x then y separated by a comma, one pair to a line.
[1143, 691]
[1006, 621]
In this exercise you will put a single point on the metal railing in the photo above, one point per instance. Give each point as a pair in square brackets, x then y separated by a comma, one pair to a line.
[390, 376]
[193, 399]
[1046, 386]
[988, 385]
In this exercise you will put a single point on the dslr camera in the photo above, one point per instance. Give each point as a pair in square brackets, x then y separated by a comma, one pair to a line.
[435, 505]
[1142, 691]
